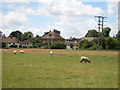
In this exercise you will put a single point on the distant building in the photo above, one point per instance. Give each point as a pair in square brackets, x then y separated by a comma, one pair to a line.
[25, 44]
[88, 38]
[72, 43]
[10, 41]
[51, 36]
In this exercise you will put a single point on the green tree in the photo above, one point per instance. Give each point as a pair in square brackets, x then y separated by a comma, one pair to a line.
[27, 36]
[37, 42]
[84, 44]
[16, 34]
[0, 34]
[111, 43]
[118, 35]
[92, 33]
[106, 31]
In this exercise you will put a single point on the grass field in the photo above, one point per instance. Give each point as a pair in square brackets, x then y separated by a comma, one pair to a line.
[37, 69]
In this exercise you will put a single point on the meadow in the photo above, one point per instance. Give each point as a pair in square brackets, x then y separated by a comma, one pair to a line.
[38, 69]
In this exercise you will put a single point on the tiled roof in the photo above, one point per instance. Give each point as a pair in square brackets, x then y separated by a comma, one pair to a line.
[52, 35]
[88, 38]
[25, 41]
[10, 40]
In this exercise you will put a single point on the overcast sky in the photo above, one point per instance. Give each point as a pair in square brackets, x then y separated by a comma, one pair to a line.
[71, 17]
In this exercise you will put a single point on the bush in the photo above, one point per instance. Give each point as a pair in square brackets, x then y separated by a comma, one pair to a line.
[93, 47]
[3, 45]
[36, 45]
[58, 45]
[30, 46]
[47, 47]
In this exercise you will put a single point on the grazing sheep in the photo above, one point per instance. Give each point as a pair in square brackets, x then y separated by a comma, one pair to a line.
[83, 58]
[51, 52]
[14, 52]
[4, 51]
[21, 51]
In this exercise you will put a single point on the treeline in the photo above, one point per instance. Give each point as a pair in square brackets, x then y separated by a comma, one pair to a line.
[27, 36]
[105, 41]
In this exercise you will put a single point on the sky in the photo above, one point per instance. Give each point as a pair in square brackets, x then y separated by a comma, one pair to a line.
[72, 17]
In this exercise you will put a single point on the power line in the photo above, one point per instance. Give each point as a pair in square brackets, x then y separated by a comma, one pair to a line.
[100, 26]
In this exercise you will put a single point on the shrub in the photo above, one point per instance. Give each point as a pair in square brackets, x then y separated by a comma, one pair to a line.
[36, 45]
[30, 46]
[3, 45]
[58, 45]
[47, 47]
[93, 47]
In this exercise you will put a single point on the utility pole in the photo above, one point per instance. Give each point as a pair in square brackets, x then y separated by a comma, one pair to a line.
[103, 18]
[99, 20]
[100, 24]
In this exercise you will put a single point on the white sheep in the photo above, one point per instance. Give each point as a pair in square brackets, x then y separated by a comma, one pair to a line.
[21, 51]
[86, 59]
[51, 52]
[4, 51]
[14, 52]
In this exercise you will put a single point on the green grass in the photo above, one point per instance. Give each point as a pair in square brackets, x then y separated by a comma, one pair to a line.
[36, 70]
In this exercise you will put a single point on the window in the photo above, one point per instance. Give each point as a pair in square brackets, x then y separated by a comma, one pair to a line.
[50, 35]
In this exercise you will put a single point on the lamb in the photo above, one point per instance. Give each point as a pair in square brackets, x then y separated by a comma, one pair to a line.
[14, 52]
[21, 51]
[51, 52]
[83, 58]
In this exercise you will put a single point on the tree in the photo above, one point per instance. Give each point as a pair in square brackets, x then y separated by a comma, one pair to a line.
[118, 35]
[0, 34]
[111, 43]
[92, 33]
[84, 44]
[16, 34]
[37, 42]
[27, 36]
[106, 31]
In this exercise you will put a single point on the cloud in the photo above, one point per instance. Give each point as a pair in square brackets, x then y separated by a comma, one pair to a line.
[14, 1]
[14, 18]
[57, 8]
[73, 18]
[112, 7]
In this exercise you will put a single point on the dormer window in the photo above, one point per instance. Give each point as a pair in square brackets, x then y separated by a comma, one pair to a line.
[50, 35]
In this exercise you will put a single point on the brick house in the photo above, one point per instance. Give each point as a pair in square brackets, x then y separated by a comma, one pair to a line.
[51, 36]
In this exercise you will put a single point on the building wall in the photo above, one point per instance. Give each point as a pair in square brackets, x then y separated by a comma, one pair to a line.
[9, 44]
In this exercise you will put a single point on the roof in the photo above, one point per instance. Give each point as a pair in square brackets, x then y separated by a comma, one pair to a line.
[52, 35]
[73, 43]
[72, 39]
[88, 38]
[10, 40]
[25, 41]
